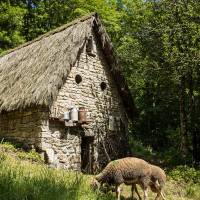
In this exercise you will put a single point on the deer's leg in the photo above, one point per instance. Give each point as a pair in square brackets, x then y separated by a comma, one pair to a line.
[160, 194]
[158, 190]
[144, 185]
[145, 193]
[132, 189]
[118, 191]
[157, 196]
[136, 190]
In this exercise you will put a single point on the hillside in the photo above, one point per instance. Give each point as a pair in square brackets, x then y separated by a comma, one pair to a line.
[24, 176]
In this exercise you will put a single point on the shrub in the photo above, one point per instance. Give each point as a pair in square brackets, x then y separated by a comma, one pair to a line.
[7, 146]
[16, 151]
[186, 174]
[139, 150]
[31, 155]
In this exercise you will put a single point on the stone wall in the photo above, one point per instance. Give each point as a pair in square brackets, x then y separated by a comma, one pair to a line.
[24, 127]
[100, 104]
[62, 145]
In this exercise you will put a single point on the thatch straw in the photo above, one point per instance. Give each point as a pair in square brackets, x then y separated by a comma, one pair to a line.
[33, 73]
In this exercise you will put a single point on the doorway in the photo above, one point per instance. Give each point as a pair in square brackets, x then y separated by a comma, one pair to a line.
[87, 154]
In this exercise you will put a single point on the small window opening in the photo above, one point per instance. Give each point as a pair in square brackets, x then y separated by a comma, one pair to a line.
[78, 79]
[103, 86]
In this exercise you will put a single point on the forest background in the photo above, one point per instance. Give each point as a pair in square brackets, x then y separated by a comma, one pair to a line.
[158, 44]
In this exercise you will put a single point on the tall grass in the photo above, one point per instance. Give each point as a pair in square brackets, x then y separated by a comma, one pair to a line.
[26, 181]
[24, 177]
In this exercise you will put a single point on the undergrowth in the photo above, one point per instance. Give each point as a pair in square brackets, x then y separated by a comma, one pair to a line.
[17, 152]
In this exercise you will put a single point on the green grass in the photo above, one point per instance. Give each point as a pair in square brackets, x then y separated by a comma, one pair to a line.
[27, 180]
[23, 180]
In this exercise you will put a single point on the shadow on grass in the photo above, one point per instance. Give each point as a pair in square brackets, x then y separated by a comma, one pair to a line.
[37, 188]
[29, 182]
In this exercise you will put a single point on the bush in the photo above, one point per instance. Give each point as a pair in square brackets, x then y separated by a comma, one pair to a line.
[139, 150]
[186, 174]
[7, 146]
[31, 155]
[16, 151]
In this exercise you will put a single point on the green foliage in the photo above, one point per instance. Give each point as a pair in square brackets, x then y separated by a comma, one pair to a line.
[171, 157]
[8, 147]
[185, 174]
[2, 156]
[31, 155]
[11, 23]
[164, 47]
[192, 191]
[167, 158]
[108, 11]
[139, 150]
[16, 151]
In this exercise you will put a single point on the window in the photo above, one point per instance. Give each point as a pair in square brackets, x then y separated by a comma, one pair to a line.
[78, 78]
[103, 86]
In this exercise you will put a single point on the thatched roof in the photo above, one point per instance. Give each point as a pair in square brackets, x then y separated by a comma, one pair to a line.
[33, 73]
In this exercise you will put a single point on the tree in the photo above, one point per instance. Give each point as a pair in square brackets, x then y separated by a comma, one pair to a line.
[11, 23]
[172, 43]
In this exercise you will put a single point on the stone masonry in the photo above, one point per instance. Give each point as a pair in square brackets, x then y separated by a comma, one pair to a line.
[24, 127]
[45, 130]
[100, 105]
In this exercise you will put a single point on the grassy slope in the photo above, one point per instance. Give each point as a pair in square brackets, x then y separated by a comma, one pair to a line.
[24, 180]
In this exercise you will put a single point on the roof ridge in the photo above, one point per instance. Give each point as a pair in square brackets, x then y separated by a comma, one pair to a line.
[51, 32]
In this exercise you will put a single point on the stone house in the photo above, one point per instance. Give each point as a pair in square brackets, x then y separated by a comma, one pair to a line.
[64, 95]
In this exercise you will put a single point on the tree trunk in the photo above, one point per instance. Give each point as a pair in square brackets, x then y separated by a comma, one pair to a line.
[196, 147]
[191, 112]
[193, 129]
[196, 135]
[183, 119]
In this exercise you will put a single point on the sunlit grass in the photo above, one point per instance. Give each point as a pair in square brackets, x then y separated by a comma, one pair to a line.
[173, 191]
[27, 180]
